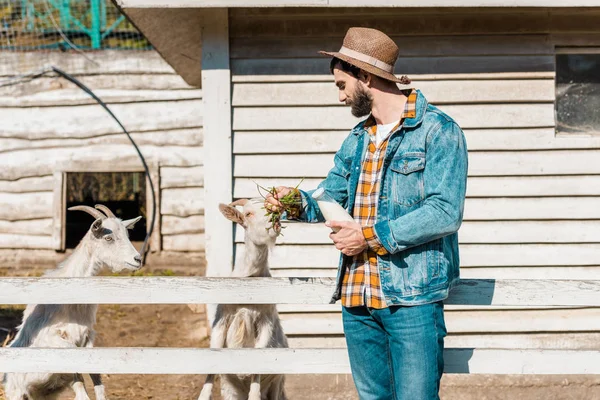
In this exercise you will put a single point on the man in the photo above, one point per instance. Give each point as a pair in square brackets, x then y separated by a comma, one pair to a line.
[402, 175]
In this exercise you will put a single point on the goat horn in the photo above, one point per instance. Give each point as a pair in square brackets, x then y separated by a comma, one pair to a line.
[240, 202]
[93, 212]
[105, 210]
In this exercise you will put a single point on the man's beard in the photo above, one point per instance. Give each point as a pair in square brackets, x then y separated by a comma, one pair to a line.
[361, 103]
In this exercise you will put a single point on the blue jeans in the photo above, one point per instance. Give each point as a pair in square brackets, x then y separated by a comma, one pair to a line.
[396, 353]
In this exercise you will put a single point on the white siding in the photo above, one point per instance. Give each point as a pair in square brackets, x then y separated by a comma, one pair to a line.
[49, 125]
[533, 197]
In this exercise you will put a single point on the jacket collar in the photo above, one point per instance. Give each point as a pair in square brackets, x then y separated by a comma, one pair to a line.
[411, 120]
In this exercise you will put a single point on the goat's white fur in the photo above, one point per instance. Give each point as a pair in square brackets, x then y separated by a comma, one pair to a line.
[256, 325]
[68, 326]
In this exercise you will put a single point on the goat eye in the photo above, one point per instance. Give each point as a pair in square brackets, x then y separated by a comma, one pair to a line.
[108, 238]
[249, 214]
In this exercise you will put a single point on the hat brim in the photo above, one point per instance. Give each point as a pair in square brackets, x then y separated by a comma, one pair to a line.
[364, 66]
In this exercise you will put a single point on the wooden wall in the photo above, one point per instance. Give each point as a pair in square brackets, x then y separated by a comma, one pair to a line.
[49, 125]
[532, 208]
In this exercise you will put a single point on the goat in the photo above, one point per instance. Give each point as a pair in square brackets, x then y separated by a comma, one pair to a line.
[106, 244]
[257, 325]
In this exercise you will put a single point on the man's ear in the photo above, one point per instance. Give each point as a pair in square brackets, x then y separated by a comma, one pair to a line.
[365, 77]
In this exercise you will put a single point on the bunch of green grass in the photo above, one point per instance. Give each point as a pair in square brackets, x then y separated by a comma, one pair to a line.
[291, 204]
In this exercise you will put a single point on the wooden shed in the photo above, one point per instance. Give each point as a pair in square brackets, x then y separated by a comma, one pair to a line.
[519, 76]
[50, 130]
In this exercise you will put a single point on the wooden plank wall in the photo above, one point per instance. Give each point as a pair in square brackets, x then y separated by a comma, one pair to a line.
[532, 207]
[50, 125]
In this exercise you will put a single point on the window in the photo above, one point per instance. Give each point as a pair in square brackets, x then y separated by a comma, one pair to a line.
[123, 192]
[578, 91]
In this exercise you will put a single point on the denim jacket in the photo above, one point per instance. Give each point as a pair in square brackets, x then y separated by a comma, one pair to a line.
[420, 207]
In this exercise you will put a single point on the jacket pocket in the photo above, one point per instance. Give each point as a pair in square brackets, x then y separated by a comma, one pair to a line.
[407, 178]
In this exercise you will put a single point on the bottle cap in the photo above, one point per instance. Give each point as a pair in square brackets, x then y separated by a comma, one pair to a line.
[318, 193]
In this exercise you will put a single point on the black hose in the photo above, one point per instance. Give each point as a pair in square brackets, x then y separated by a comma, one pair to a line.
[89, 91]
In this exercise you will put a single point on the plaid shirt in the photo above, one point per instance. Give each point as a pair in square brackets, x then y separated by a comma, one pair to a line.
[361, 285]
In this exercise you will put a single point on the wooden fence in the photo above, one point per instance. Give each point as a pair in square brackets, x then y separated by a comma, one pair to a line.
[175, 290]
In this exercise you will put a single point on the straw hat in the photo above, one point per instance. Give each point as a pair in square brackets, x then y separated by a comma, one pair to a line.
[370, 50]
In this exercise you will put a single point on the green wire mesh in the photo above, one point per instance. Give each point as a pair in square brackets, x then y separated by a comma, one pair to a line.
[66, 25]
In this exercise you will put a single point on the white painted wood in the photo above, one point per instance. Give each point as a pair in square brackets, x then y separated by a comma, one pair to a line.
[453, 309]
[512, 272]
[172, 225]
[92, 120]
[547, 341]
[282, 361]
[59, 218]
[352, 3]
[521, 186]
[175, 290]
[154, 179]
[546, 208]
[22, 206]
[437, 92]
[252, 142]
[336, 117]
[41, 227]
[473, 232]
[40, 162]
[172, 137]
[184, 242]
[325, 77]
[305, 273]
[504, 255]
[28, 185]
[180, 177]
[147, 62]
[406, 65]
[518, 272]
[182, 202]
[415, 46]
[216, 83]
[482, 322]
[101, 82]
[478, 186]
[13, 241]
[77, 97]
[481, 163]
[319, 256]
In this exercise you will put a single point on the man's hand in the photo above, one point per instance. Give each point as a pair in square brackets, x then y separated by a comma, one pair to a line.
[272, 203]
[349, 239]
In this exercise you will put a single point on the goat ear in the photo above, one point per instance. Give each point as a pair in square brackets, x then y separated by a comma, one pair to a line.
[97, 228]
[130, 223]
[231, 213]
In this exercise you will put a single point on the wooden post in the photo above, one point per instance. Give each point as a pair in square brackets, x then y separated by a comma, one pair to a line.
[218, 187]
[58, 214]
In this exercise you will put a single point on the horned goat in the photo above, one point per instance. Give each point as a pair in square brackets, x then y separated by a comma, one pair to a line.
[257, 325]
[106, 245]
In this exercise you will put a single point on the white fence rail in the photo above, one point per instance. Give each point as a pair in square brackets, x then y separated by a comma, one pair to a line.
[175, 290]
[281, 361]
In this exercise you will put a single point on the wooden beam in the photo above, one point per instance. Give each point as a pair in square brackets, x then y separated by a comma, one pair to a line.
[286, 361]
[172, 290]
[353, 3]
[218, 185]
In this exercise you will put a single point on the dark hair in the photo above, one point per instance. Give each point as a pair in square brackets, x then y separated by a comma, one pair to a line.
[344, 66]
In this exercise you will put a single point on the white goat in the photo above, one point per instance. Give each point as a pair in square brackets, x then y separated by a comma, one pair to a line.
[257, 325]
[53, 325]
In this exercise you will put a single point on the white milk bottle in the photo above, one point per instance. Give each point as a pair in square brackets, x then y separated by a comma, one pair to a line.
[330, 208]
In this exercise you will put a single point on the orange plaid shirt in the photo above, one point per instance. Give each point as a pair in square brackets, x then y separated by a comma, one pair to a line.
[361, 285]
